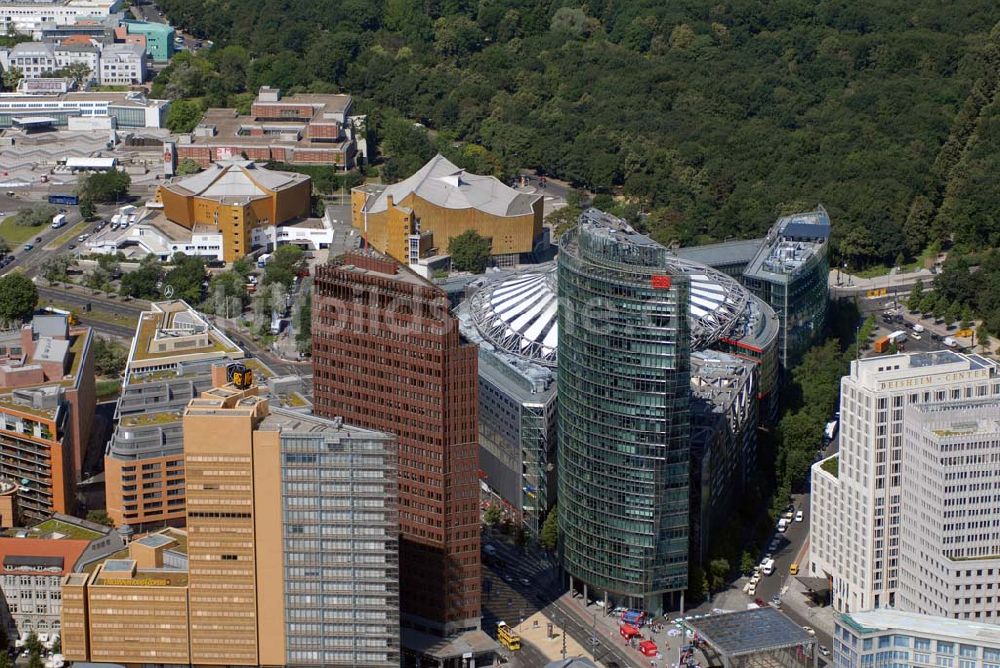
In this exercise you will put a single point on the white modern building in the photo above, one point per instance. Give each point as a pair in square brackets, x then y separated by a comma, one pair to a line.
[854, 535]
[129, 110]
[950, 541]
[904, 639]
[123, 64]
[31, 18]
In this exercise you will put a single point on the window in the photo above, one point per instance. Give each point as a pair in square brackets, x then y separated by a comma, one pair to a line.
[945, 647]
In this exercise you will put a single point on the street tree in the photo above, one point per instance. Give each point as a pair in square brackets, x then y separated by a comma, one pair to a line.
[916, 295]
[303, 326]
[35, 216]
[469, 251]
[18, 298]
[55, 269]
[186, 277]
[718, 569]
[142, 283]
[106, 187]
[492, 515]
[284, 264]
[87, 209]
[549, 535]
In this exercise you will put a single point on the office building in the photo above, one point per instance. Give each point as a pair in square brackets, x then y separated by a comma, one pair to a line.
[623, 416]
[388, 355]
[790, 274]
[231, 198]
[33, 570]
[895, 638]
[414, 219]
[31, 17]
[513, 321]
[56, 106]
[157, 38]
[732, 336]
[170, 363]
[724, 415]
[308, 129]
[46, 411]
[855, 535]
[123, 64]
[949, 544]
[289, 558]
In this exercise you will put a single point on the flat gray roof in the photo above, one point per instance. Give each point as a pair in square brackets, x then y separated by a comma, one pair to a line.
[724, 253]
[750, 631]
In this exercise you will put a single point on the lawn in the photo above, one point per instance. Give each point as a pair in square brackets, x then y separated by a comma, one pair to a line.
[66, 529]
[68, 235]
[105, 389]
[831, 466]
[15, 235]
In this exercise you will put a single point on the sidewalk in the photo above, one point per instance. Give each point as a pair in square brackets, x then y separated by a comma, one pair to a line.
[535, 630]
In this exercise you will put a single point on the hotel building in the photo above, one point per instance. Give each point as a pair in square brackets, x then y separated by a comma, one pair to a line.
[855, 537]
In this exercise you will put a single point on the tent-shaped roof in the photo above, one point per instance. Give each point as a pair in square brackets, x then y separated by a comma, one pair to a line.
[235, 179]
[444, 184]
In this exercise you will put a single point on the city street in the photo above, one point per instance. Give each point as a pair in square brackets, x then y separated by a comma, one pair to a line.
[526, 583]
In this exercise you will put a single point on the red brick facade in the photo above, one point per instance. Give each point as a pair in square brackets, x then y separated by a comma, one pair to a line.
[387, 355]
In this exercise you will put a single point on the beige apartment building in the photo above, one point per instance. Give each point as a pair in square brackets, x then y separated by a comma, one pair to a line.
[290, 555]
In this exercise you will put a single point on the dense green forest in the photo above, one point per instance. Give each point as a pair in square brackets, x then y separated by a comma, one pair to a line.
[715, 117]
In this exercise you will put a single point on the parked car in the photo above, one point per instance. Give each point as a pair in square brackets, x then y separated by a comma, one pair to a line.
[799, 516]
[824, 650]
[810, 630]
[72, 246]
[38, 240]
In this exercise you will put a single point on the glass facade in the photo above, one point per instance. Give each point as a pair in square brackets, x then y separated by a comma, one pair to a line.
[623, 416]
[340, 524]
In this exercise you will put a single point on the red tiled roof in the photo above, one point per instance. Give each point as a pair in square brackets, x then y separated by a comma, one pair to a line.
[68, 548]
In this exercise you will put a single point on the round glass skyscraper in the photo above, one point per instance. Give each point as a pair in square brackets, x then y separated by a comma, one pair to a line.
[624, 391]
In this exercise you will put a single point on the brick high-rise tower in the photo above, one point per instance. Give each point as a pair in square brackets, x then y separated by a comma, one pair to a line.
[387, 355]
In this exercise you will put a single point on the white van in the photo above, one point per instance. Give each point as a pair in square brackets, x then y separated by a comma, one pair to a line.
[950, 342]
[918, 328]
[767, 567]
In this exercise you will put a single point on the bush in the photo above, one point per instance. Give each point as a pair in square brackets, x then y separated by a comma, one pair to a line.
[36, 215]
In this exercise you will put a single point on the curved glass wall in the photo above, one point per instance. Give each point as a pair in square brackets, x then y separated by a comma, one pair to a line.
[623, 417]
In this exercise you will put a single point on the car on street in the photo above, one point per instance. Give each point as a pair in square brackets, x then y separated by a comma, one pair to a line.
[507, 578]
[28, 247]
[799, 516]
[72, 246]
[7, 260]
[38, 240]
[773, 546]
[824, 650]
[527, 583]
[810, 630]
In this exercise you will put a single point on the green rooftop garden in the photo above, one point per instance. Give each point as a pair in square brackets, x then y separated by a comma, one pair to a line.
[149, 419]
[832, 466]
[66, 529]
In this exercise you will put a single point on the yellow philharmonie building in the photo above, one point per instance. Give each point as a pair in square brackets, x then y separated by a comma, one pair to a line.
[233, 197]
[415, 218]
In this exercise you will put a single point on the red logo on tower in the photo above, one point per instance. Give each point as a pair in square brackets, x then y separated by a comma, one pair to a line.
[661, 282]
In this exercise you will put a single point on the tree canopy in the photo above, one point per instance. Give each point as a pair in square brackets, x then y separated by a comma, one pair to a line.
[106, 187]
[469, 252]
[283, 265]
[18, 298]
[717, 119]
